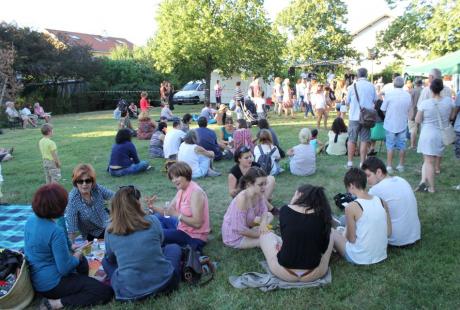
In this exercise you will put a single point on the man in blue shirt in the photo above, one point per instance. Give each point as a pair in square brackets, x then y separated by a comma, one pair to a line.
[367, 97]
[207, 138]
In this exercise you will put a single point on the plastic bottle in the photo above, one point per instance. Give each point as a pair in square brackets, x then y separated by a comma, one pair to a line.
[95, 246]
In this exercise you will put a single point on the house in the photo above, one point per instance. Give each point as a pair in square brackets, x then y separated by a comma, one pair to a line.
[100, 45]
[365, 40]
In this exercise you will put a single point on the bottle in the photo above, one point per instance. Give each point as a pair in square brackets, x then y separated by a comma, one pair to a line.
[95, 246]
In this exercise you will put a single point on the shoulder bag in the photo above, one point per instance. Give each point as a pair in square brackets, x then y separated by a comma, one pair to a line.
[447, 133]
[367, 117]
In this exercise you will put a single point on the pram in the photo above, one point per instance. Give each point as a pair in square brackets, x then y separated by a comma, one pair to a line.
[249, 111]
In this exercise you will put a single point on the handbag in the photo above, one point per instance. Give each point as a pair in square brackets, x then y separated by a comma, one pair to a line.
[447, 133]
[196, 269]
[367, 117]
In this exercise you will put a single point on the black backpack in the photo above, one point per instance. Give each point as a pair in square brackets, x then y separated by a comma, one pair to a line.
[265, 160]
[9, 262]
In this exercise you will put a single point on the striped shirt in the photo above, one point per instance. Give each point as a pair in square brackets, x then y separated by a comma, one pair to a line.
[238, 95]
[88, 217]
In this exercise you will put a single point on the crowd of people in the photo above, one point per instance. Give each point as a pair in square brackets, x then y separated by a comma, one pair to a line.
[382, 216]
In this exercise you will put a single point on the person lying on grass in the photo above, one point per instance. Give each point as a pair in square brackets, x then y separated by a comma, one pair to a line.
[304, 249]
[368, 224]
[240, 228]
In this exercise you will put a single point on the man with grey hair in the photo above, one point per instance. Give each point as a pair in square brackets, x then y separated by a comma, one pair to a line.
[427, 93]
[361, 94]
[396, 106]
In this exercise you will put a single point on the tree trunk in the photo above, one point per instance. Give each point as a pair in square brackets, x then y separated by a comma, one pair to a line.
[207, 91]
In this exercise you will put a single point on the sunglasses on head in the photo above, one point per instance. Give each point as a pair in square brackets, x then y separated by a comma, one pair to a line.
[244, 149]
[86, 181]
[133, 191]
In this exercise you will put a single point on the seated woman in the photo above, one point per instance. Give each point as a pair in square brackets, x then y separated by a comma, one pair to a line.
[226, 133]
[56, 274]
[167, 114]
[146, 126]
[132, 110]
[156, 141]
[242, 136]
[302, 253]
[189, 211]
[86, 212]
[302, 157]
[263, 124]
[338, 137]
[27, 111]
[244, 160]
[153, 269]
[240, 228]
[125, 123]
[124, 159]
[368, 224]
[266, 146]
[197, 157]
[14, 114]
[186, 120]
[38, 110]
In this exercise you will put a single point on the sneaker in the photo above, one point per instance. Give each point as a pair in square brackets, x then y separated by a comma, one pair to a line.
[213, 173]
[148, 167]
[389, 169]
[349, 165]
[400, 168]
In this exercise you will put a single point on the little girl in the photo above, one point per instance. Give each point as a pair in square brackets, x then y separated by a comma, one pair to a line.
[315, 142]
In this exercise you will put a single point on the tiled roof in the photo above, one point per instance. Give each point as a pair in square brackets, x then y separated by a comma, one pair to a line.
[98, 43]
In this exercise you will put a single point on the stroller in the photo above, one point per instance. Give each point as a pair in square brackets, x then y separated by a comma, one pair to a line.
[249, 111]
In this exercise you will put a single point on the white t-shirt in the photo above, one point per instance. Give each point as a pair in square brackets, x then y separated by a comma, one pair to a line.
[259, 102]
[402, 206]
[173, 139]
[187, 154]
[387, 88]
[303, 162]
[396, 104]
[318, 100]
[367, 97]
[26, 112]
[266, 149]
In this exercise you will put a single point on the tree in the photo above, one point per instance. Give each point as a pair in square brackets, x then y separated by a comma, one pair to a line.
[195, 37]
[9, 86]
[432, 25]
[316, 30]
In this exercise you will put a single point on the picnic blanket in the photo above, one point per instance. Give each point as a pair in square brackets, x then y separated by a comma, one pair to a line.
[12, 222]
[269, 282]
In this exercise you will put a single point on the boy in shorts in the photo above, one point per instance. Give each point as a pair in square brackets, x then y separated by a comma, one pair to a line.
[48, 149]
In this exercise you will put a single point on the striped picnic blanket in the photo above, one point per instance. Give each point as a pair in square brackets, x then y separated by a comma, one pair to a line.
[12, 221]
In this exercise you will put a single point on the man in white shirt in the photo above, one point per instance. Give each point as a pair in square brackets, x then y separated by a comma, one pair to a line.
[427, 93]
[172, 141]
[396, 106]
[367, 97]
[400, 198]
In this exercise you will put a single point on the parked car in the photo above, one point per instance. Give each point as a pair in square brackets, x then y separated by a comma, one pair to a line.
[192, 92]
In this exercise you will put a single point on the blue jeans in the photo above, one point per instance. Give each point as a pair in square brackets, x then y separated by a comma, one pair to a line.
[173, 235]
[133, 169]
[309, 108]
[203, 167]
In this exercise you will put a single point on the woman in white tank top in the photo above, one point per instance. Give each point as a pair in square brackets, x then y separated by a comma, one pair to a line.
[368, 224]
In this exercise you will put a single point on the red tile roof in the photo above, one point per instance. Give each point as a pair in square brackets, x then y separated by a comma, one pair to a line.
[98, 43]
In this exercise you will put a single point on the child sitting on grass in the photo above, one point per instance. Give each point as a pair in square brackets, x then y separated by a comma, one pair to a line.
[315, 142]
[48, 149]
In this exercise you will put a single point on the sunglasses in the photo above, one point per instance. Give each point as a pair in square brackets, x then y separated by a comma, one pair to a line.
[86, 181]
[244, 149]
[133, 191]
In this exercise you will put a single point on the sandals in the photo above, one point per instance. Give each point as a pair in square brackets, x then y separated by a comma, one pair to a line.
[421, 188]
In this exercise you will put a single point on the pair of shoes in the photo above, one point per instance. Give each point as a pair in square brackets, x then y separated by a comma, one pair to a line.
[372, 153]
[421, 188]
[400, 168]
[347, 166]
[389, 169]
[213, 173]
[45, 304]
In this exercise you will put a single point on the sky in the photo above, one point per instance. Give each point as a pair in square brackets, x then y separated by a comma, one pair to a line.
[133, 20]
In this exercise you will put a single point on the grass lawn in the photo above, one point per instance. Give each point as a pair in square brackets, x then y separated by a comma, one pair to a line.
[425, 276]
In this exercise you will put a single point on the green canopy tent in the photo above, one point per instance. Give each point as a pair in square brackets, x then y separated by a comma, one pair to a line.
[449, 64]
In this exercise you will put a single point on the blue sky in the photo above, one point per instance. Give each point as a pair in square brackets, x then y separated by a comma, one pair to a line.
[133, 20]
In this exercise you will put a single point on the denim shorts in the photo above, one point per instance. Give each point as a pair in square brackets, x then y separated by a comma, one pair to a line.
[355, 131]
[395, 140]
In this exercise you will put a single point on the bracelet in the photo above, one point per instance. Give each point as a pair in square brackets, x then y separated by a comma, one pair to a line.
[179, 218]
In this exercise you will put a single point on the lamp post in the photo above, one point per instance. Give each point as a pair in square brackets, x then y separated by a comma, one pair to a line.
[372, 55]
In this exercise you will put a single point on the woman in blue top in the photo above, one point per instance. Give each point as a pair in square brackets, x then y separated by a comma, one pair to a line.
[86, 212]
[135, 262]
[124, 159]
[59, 276]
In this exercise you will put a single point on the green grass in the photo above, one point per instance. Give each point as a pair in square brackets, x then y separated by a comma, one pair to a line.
[425, 276]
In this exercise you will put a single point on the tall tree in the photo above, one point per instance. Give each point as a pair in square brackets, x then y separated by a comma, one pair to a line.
[316, 30]
[432, 25]
[9, 85]
[195, 37]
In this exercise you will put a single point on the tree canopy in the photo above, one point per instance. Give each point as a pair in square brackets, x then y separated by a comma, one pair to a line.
[316, 31]
[195, 37]
[432, 25]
